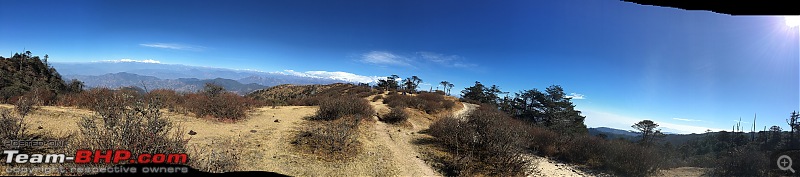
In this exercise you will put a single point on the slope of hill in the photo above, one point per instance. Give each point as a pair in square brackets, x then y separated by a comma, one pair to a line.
[615, 131]
[287, 92]
[674, 139]
[611, 133]
[23, 73]
[124, 79]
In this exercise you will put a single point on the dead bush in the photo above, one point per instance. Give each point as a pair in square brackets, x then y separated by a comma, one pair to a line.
[543, 141]
[364, 94]
[13, 126]
[428, 102]
[93, 97]
[223, 106]
[306, 101]
[622, 158]
[97, 99]
[582, 149]
[402, 101]
[68, 99]
[628, 159]
[486, 142]
[217, 157]
[396, 115]
[358, 90]
[742, 161]
[24, 106]
[170, 99]
[335, 107]
[333, 140]
[41, 96]
[447, 104]
[376, 98]
[138, 127]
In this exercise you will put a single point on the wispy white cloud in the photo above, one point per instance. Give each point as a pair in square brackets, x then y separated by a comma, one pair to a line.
[384, 58]
[445, 60]
[604, 119]
[687, 120]
[173, 46]
[575, 96]
[337, 75]
[438, 58]
[389, 58]
[125, 60]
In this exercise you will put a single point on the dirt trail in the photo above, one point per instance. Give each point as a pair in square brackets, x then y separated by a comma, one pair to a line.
[397, 139]
[545, 167]
[468, 107]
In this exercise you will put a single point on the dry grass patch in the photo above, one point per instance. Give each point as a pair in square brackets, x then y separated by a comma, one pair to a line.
[332, 140]
[219, 156]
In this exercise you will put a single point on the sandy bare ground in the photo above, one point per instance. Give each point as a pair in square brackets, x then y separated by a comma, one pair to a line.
[468, 107]
[264, 144]
[541, 166]
[397, 139]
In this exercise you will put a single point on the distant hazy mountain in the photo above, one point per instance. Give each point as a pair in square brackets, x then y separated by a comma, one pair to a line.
[175, 71]
[615, 131]
[672, 138]
[124, 79]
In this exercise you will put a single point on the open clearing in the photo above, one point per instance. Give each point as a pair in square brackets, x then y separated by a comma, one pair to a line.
[263, 141]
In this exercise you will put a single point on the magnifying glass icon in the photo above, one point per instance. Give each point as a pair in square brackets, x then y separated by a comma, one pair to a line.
[785, 163]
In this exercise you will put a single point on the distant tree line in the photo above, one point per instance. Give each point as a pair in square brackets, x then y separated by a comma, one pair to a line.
[550, 108]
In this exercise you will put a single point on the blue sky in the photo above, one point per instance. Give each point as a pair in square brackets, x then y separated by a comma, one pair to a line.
[687, 70]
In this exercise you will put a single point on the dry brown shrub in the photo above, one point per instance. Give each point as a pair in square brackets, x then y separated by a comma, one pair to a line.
[486, 142]
[336, 107]
[306, 101]
[583, 149]
[429, 102]
[743, 161]
[170, 99]
[224, 106]
[618, 157]
[543, 141]
[364, 94]
[217, 157]
[333, 140]
[138, 127]
[41, 96]
[376, 98]
[13, 127]
[628, 159]
[395, 115]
